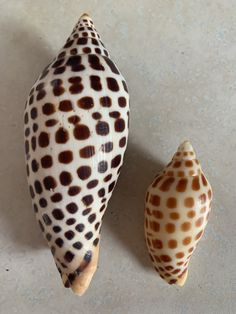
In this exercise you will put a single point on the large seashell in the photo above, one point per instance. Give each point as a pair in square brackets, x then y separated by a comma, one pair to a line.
[76, 128]
[178, 203]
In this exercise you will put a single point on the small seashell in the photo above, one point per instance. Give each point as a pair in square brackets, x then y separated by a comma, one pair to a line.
[76, 129]
[178, 204]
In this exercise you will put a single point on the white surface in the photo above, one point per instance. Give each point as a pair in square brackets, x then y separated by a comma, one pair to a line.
[178, 58]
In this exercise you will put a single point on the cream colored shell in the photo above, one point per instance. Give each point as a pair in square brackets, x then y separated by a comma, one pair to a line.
[178, 203]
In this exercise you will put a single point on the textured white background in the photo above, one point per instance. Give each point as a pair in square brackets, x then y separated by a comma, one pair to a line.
[179, 60]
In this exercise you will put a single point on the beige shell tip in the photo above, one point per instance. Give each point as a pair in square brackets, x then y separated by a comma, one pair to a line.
[85, 15]
[185, 147]
[82, 279]
[181, 281]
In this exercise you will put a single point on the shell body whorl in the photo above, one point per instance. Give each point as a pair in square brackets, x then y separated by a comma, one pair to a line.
[178, 203]
[76, 129]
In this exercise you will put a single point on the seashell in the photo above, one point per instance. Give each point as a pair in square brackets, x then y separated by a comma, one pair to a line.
[76, 129]
[178, 203]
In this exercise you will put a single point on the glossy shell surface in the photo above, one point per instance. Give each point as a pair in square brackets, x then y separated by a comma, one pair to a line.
[76, 129]
[178, 204]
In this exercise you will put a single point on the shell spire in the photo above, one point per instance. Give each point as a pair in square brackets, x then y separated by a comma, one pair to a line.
[84, 39]
[76, 130]
[178, 204]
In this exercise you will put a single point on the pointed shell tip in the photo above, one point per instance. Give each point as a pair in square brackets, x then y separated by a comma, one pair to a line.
[186, 146]
[85, 15]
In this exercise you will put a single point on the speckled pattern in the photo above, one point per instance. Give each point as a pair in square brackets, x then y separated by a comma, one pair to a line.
[76, 129]
[178, 204]
[178, 58]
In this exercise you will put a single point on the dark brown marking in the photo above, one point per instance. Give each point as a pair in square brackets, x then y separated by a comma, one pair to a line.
[34, 165]
[65, 105]
[57, 197]
[155, 200]
[125, 86]
[112, 84]
[84, 172]
[69, 234]
[72, 208]
[92, 184]
[57, 214]
[107, 147]
[38, 187]
[111, 65]
[95, 82]
[65, 157]
[87, 152]
[94, 62]
[34, 113]
[69, 256]
[182, 185]
[114, 114]
[116, 161]
[49, 183]
[80, 227]
[85, 102]
[166, 185]
[74, 119]
[74, 190]
[102, 128]
[122, 102]
[46, 161]
[65, 178]
[81, 132]
[61, 136]
[102, 166]
[105, 101]
[91, 218]
[119, 125]
[43, 139]
[96, 115]
[87, 200]
[51, 122]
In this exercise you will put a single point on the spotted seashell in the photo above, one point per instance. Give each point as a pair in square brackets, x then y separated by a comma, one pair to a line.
[178, 203]
[76, 128]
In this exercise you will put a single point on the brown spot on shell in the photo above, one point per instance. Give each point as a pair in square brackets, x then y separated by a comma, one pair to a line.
[61, 136]
[171, 202]
[172, 244]
[187, 241]
[167, 183]
[179, 255]
[86, 102]
[65, 105]
[199, 222]
[182, 184]
[154, 200]
[196, 183]
[189, 202]
[65, 157]
[157, 214]
[170, 228]
[87, 151]
[174, 216]
[157, 244]
[81, 132]
[198, 236]
[186, 226]
[191, 214]
[155, 226]
[166, 258]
